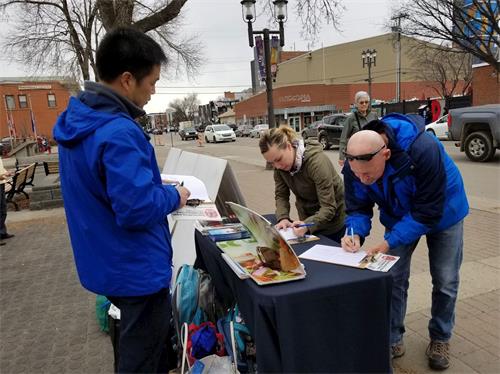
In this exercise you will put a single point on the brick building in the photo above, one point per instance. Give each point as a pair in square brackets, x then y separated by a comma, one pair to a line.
[46, 98]
[485, 85]
[313, 84]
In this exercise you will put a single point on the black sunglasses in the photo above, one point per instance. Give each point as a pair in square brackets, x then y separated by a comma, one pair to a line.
[365, 157]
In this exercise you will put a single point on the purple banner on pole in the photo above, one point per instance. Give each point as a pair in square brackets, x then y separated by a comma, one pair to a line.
[275, 44]
[259, 57]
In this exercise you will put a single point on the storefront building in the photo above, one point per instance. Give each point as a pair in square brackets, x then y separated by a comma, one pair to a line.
[325, 81]
[33, 105]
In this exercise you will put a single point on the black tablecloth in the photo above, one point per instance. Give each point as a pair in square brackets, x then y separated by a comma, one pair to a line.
[335, 320]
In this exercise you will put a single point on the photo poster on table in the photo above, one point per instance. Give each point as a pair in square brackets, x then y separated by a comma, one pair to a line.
[269, 259]
[217, 176]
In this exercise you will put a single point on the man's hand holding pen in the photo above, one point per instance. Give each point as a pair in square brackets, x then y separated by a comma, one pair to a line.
[350, 242]
[184, 194]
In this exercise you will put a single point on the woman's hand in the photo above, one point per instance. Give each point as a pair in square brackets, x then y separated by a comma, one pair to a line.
[283, 224]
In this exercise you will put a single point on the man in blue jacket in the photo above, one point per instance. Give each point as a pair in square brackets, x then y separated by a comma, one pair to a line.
[419, 190]
[116, 205]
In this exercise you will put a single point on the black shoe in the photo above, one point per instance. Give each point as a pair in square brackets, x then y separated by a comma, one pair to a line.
[398, 350]
[6, 236]
[439, 355]
[2, 243]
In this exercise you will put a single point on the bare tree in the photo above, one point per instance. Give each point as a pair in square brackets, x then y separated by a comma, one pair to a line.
[312, 14]
[471, 25]
[445, 70]
[62, 35]
[185, 108]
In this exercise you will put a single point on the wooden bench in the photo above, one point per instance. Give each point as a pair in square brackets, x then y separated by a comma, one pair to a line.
[16, 185]
[31, 172]
[51, 167]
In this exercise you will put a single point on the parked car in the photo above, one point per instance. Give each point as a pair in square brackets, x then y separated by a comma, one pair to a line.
[5, 145]
[311, 131]
[232, 126]
[476, 130]
[258, 129]
[156, 131]
[243, 130]
[188, 133]
[219, 133]
[438, 128]
[330, 130]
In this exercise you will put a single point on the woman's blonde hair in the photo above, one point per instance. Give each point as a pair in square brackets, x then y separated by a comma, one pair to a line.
[278, 136]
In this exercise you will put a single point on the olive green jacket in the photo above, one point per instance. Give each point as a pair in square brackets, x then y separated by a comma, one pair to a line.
[318, 190]
[351, 127]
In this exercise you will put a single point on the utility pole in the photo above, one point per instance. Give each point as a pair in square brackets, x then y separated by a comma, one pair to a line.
[397, 30]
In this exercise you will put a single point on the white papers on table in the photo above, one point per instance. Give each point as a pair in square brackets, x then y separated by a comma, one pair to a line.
[288, 233]
[333, 255]
[336, 255]
[193, 184]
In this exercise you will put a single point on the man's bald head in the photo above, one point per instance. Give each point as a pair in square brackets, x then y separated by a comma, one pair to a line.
[372, 154]
[364, 141]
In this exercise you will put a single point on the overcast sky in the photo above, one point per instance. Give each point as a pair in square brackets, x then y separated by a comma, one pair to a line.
[227, 56]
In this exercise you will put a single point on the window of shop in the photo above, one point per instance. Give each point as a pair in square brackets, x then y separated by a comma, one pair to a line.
[23, 101]
[10, 102]
[51, 100]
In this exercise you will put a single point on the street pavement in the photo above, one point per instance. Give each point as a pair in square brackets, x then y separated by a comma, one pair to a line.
[47, 320]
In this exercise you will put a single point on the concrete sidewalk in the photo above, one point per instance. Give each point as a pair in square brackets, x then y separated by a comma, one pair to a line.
[47, 320]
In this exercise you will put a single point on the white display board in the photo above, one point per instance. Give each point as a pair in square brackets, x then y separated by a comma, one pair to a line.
[221, 186]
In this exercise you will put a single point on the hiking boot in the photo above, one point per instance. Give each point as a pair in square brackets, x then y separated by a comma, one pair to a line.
[439, 355]
[398, 349]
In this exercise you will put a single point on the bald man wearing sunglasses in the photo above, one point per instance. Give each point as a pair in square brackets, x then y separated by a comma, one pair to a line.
[396, 165]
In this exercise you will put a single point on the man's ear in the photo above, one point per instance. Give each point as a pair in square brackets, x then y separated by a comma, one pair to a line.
[126, 81]
[387, 153]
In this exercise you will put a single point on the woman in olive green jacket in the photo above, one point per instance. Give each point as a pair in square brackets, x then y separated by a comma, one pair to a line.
[306, 171]
[355, 121]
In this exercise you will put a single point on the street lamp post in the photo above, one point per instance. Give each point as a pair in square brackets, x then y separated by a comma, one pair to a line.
[280, 15]
[369, 57]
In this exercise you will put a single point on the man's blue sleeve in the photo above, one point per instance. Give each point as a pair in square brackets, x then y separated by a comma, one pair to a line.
[429, 197]
[136, 199]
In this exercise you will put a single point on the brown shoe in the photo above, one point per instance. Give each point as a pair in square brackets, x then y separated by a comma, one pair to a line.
[439, 355]
[398, 349]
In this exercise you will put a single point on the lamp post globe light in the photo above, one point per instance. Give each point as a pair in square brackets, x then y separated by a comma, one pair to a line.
[369, 58]
[280, 16]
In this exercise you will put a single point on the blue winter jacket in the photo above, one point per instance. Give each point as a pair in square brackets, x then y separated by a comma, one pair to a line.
[116, 205]
[423, 191]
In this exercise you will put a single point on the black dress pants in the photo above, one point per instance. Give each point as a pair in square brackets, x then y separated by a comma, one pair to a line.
[144, 332]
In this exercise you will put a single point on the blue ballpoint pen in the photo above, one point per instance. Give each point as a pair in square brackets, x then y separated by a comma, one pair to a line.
[305, 224]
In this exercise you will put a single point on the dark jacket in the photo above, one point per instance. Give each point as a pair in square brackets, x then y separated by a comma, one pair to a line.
[422, 193]
[318, 191]
[116, 205]
[354, 122]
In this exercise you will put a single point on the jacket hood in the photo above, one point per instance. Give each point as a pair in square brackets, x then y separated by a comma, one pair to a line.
[94, 107]
[404, 128]
[312, 147]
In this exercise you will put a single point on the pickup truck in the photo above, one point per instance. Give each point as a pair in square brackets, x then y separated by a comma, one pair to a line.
[476, 130]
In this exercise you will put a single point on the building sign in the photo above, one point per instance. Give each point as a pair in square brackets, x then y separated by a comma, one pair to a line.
[300, 98]
[35, 87]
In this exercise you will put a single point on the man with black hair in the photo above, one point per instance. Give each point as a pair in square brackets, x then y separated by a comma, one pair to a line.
[395, 164]
[116, 205]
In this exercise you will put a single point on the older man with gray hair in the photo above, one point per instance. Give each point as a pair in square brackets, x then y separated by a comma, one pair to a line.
[395, 164]
[355, 121]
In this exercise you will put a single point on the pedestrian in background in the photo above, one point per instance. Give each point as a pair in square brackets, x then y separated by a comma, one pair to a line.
[116, 205]
[305, 170]
[355, 121]
[420, 192]
[4, 178]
